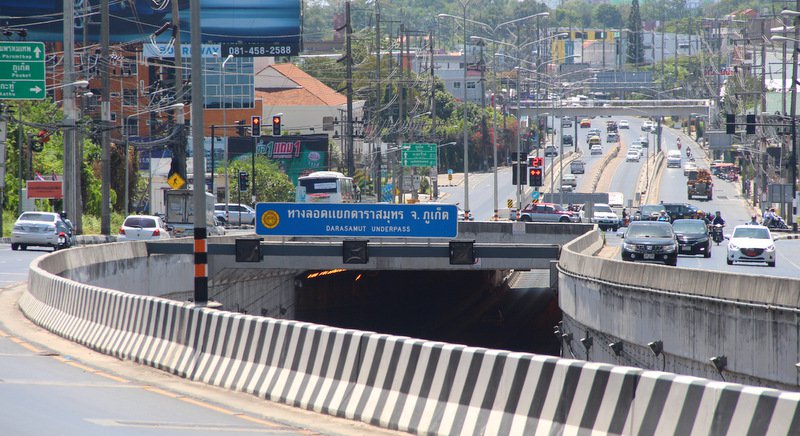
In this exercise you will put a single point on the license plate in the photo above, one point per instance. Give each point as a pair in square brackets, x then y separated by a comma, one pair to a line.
[649, 256]
[686, 248]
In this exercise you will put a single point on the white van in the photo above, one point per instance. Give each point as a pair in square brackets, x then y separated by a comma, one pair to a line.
[674, 159]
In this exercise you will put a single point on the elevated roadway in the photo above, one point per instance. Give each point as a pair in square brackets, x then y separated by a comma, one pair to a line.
[607, 108]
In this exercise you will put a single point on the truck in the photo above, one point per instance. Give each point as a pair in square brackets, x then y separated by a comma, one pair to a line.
[180, 214]
[699, 184]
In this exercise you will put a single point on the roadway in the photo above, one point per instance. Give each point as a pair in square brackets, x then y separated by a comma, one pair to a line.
[53, 386]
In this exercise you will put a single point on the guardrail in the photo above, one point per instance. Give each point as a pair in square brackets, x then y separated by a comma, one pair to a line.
[395, 382]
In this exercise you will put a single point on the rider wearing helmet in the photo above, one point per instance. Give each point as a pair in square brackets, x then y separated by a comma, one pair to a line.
[663, 216]
[702, 216]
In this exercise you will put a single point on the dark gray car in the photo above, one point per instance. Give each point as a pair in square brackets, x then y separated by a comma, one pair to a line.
[650, 241]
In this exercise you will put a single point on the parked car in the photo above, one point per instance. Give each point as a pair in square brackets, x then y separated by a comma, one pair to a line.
[143, 228]
[632, 156]
[602, 215]
[550, 151]
[692, 237]
[235, 212]
[547, 212]
[41, 229]
[652, 241]
[624, 124]
[596, 149]
[751, 244]
[586, 123]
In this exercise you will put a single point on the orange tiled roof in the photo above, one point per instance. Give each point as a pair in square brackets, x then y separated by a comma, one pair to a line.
[303, 90]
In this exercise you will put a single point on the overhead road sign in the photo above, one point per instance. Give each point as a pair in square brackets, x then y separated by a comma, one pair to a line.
[418, 155]
[22, 70]
[357, 220]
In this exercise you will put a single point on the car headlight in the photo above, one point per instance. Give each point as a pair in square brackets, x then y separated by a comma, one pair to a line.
[628, 247]
[770, 248]
[732, 246]
[17, 228]
[670, 248]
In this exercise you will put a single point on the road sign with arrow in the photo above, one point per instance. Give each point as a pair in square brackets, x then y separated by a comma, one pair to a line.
[22, 70]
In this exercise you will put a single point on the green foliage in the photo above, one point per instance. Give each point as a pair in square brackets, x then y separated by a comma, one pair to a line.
[608, 16]
[636, 43]
[271, 184]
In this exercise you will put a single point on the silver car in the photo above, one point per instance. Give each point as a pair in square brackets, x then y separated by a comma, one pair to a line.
[235, 212]
[41, 229]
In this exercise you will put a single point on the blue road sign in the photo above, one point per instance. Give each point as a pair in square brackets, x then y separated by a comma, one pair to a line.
[535, 195]
[366, 220]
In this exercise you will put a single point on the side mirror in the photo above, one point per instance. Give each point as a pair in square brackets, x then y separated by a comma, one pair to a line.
[170, 228]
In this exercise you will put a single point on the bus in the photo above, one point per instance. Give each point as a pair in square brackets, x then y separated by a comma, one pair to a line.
[325, 187]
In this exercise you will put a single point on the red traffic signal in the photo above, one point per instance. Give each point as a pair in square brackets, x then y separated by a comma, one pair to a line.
[276, 125]
[43, 136]
[255, 125]
[535, 176]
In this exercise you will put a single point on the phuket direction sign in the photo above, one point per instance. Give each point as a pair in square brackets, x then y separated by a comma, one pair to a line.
[22, 70]
[419, 155]
[372, 220]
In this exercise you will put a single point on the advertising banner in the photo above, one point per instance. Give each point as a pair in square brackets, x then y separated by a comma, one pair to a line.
[296, 155]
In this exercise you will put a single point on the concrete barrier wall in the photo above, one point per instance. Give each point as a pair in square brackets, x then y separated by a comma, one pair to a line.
[752, 320]
[396, 382]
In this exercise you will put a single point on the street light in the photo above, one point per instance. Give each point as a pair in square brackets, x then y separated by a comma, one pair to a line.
[793, 108]
[224, 130]
[492, 31]
[436, 182]
[128, 134]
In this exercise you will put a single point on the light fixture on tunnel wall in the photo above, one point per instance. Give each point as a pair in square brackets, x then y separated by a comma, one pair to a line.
[567, 337]
[657, 347]
[719, 362]
[355, 252]
[462, 252]
[616, 347]
[248, 250]
[587, 342]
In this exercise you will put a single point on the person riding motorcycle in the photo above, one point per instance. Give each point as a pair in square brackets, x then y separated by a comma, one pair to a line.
[753, 220]
[718, 219]
[663, 216]
[702, 216]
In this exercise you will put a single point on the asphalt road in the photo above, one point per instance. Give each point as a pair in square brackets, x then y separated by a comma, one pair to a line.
[52, 386]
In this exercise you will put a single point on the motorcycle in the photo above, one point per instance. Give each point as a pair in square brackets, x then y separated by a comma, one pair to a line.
[716, 233]
[775, 223]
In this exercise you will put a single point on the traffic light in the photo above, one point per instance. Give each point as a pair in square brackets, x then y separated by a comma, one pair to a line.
[276, 125]
[255, 126]
[244, 181]
[730, 124]
[536, 172]
[518, 174]
[750, 128]
[38, 140]
[240, 127]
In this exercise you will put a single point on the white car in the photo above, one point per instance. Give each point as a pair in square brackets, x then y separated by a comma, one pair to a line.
[648, 126]
[596, 149]
[143, 228]
[752, 244]
[637, 147]
[41, 229]
[602, 215]
[689, 166]
[624, 124]
[632, 156]
[674, 159]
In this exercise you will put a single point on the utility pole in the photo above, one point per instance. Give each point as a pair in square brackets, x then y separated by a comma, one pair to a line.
[484, 128]
[199, 161]
[351, 170]
[378, 101]
[179, 150]
[400, 118]
[433, 117]
[105, 124]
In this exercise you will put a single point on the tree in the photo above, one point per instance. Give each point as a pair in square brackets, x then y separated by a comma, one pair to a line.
[271, 184]
[636, 46]
[608, 16]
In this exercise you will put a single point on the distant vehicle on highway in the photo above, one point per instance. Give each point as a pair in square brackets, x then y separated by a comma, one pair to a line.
[585, 123]
[566, 139]
[648, 126]
[566, 122]
[751, 244]
[577, 167]
[616, 199]
[689, 166]
[547, 212]
[612, 138]
[237, 213]
[41, 229]
[624, 124]
[602, 215]
[596, 149]
[652, 241]
[143, 228]
[648, 212]
[674, 159]
[550, 151]
[325, 187]
[693, 237]
[632, 156]
[677, 211]
[569, 179]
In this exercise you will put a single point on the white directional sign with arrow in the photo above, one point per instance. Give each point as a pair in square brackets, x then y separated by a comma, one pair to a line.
[22, 70]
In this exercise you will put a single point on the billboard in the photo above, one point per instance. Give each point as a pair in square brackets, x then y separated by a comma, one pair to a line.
[244, 27]
[296, 155]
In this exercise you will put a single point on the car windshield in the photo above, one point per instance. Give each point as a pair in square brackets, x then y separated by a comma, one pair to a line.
[751, 232]
[650, 231]
[138, 221]
[681, 226]
[558, 208]
[41, 217]
[602, 208]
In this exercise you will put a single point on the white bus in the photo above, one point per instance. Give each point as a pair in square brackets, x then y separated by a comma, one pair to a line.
[325, 187]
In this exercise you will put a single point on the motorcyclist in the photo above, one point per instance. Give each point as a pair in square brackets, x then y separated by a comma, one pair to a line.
[702, 216]
[753, 220]
[718, 219]
[63, 215]
[662, 216]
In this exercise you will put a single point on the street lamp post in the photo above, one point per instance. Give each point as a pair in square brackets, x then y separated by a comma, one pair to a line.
[793, 109]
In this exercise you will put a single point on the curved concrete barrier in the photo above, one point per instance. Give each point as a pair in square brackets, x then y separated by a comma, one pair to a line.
[395, 382]
[751, 320]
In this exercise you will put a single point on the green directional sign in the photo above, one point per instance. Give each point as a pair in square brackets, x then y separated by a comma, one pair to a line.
[418, 155]
[22, 70]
